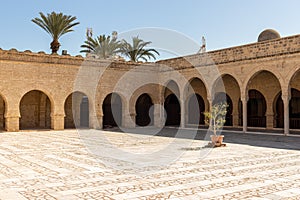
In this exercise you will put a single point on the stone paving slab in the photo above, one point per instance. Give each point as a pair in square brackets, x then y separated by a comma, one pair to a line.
[94, 164]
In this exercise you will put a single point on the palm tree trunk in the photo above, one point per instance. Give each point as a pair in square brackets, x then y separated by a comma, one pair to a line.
[54, 46]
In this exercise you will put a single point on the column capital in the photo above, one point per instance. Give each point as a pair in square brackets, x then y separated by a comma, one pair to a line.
[286, 97]
[244, 98]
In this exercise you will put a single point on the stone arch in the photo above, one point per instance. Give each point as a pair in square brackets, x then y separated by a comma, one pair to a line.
[150, 90]
[190, 86]
[294, 88]
[227, 88]
[172, 103]
[172, 110]
[196, 85]
[256, 109]
[195, 95]
[112, 108]
[144, 110]
[257, 72]
[294, 81]
[196, 108]
[35, 109]
[76, 108]
[171, 87]
[268, 84]
[234, 77]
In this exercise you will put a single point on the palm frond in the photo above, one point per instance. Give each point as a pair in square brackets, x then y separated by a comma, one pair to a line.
[102, 46]
[56, 24]
[137, 51]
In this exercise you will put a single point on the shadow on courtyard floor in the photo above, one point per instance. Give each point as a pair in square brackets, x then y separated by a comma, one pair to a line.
[260, 139]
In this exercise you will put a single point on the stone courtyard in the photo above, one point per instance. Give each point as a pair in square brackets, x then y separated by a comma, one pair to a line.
[69, 165]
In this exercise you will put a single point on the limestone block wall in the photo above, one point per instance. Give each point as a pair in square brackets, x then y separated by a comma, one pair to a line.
[270, 67]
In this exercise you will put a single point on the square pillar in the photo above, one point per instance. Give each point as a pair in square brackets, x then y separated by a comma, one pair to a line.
[159, 115]
[269, 121]
[235, 120]
[96, 122]
[12, 123]
[182, 114]
[286, 114]
[58, 122]
[244, 102]
[128, 120]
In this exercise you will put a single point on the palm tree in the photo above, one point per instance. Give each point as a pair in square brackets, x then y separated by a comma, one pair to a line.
[137, 50]
[102, 46]
[56, 24]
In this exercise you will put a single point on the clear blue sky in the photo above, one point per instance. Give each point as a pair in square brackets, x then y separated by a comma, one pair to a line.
[224, 23]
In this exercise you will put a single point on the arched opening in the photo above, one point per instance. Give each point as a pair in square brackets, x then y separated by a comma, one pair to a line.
[279, 111]
[112, 111]
[256, 109]
[227, 89]
[35, 109]
[195, 103]
[294, 109]
[172, 108]
[171, 104]
[2, 112]
[223, 97]
[262, 94]
[196, 108]
[144, 111]
[77, 110]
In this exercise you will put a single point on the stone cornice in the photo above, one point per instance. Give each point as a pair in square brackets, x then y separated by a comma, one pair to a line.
[258, 50]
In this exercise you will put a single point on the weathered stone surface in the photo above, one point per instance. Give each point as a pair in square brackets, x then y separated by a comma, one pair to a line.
[270, 67]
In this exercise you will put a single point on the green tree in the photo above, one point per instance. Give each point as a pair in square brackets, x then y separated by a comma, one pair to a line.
[216, 116]
[137, 50]
[102, 46]
[56, 24]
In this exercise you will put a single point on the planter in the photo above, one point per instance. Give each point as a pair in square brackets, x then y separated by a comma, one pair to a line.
[217, 139]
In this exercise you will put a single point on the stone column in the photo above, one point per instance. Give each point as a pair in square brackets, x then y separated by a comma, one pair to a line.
[244, 102]
[99, 123]
[12, 117]
[95, 116]
[182, 113]
[269, 117]
[235, 119]
[159, 115]
[128, 120]
[57, 121]
[96, 121]
[286, 100]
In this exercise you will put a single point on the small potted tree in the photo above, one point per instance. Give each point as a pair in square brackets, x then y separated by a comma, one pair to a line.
[216, 120]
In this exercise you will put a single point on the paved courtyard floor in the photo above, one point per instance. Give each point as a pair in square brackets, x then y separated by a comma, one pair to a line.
[94, 164]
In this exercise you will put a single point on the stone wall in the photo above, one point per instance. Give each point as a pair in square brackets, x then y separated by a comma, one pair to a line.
[270, 67]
